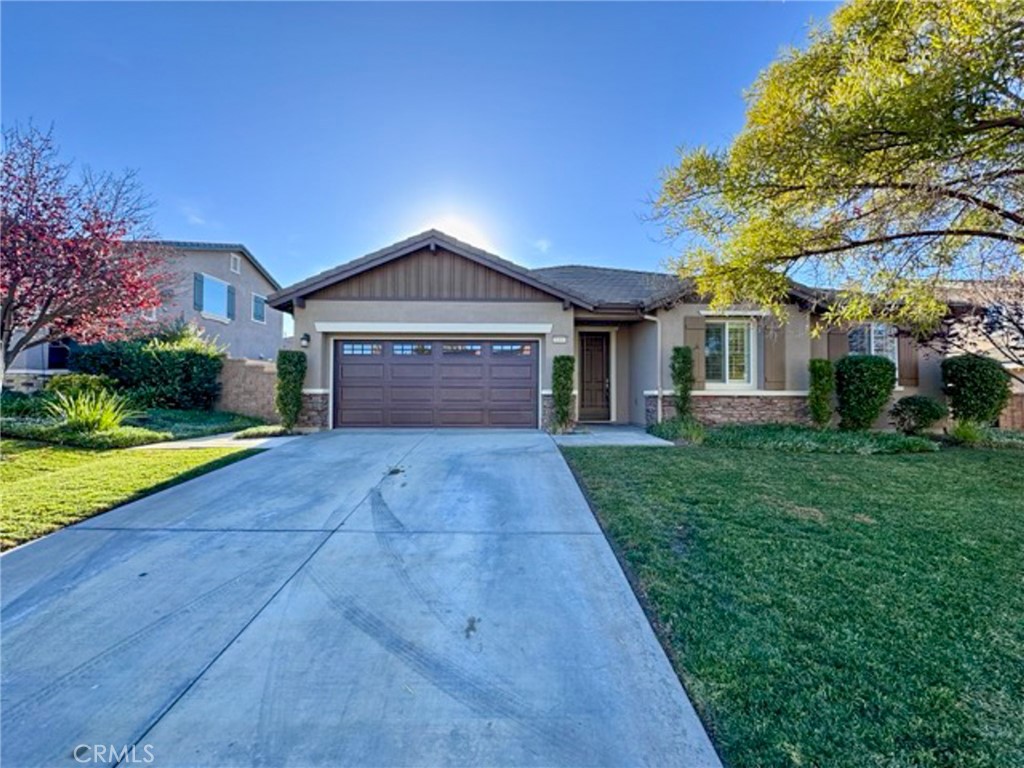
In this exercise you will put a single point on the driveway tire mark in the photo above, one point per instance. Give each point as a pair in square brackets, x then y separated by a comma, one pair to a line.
[127, 642]
[473, 690]
[144, 732]
[387, 528]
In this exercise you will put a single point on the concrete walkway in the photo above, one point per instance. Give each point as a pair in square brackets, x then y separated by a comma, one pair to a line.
[403, 598]
[610, 434]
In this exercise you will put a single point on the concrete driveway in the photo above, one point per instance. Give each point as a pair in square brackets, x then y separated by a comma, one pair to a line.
[371, 598]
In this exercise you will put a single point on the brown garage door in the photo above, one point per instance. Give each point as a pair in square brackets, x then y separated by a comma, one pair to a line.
[397, 383]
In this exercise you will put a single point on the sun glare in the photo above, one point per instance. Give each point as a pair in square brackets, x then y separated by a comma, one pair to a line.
[460, 227]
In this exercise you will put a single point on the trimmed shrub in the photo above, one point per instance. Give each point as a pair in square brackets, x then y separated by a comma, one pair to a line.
[91, 411]
[72, 384]
[291, 372]
[864, 384]
[561, 390]
[978, 388]
[264, 430]
[682, 380]
[793, 438]
[62, 434]
[823, 384]
[914, 414]
[180, 371]
[23, 404]
[687, 430]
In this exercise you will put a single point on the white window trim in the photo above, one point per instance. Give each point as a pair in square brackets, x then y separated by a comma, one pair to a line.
[752, 344]
[213, 315]
[252, 308]
[236, 264]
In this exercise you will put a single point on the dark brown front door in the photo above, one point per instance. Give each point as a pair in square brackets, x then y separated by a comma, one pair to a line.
[435, 383]
[595, 384]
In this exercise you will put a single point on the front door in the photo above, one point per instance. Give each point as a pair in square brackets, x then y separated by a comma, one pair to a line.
[595, 384]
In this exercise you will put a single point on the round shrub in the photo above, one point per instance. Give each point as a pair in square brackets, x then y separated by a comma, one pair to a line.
[914, 414]
[74, 384]
[819, 399]
[978, 388]
[864, 384]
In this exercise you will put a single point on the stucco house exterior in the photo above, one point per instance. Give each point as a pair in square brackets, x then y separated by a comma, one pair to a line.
[221, 287]
[432, 331]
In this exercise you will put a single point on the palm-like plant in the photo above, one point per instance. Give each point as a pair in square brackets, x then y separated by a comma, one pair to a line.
[96, 411]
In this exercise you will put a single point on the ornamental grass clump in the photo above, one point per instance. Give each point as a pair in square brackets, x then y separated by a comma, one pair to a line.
[91, 411]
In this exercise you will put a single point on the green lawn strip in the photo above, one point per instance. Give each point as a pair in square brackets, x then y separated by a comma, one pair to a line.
[831, 610]
[46, 488]
[188, 424]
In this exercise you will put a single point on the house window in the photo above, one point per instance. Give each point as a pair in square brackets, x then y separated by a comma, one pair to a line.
[259, 308]
[728, 357]
[236, 263]
[874, 339]
[461, 349]
[57, 355]
[218, 298]
[361, 348]
[411, 349]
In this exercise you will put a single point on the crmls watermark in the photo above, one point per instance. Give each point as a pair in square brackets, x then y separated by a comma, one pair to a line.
[126, 754]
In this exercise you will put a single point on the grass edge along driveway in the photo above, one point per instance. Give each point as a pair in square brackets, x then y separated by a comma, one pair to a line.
[46, 487]
[831, 610]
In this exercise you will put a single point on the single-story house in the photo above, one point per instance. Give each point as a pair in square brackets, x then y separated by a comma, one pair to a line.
[432, 331]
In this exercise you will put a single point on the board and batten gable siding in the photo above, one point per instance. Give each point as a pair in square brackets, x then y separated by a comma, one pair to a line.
[427, 275]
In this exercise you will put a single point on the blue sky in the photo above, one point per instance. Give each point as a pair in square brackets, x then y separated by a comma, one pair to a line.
[314, 133]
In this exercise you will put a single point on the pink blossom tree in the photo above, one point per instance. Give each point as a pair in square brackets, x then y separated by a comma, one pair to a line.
[71, 262]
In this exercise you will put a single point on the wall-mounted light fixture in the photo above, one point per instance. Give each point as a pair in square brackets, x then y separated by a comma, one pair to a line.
[304, 340]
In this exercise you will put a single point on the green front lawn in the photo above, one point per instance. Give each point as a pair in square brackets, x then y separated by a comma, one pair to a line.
[187, 424]
[46, 487]
[152, 426]
[828, 610]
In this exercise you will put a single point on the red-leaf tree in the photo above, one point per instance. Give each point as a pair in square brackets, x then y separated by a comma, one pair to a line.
[69, 265]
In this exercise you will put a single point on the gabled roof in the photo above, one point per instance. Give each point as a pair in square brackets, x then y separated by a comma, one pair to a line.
[432, 239]
[605, 286]
[592, 288]
[188, 245]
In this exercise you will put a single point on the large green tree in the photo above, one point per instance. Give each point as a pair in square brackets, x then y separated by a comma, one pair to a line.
[884, 158]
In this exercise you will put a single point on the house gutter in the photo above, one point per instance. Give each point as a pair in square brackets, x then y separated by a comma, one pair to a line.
[657, 327]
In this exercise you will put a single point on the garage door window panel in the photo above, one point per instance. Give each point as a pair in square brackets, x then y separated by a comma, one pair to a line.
[467, 350]
[361, 349]
[412, 350]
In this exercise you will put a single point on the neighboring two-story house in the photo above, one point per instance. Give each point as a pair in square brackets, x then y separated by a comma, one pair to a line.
[223, 289]
[220, 287]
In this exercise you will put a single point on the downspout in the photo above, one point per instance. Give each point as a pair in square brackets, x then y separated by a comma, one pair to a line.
[657, 326]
